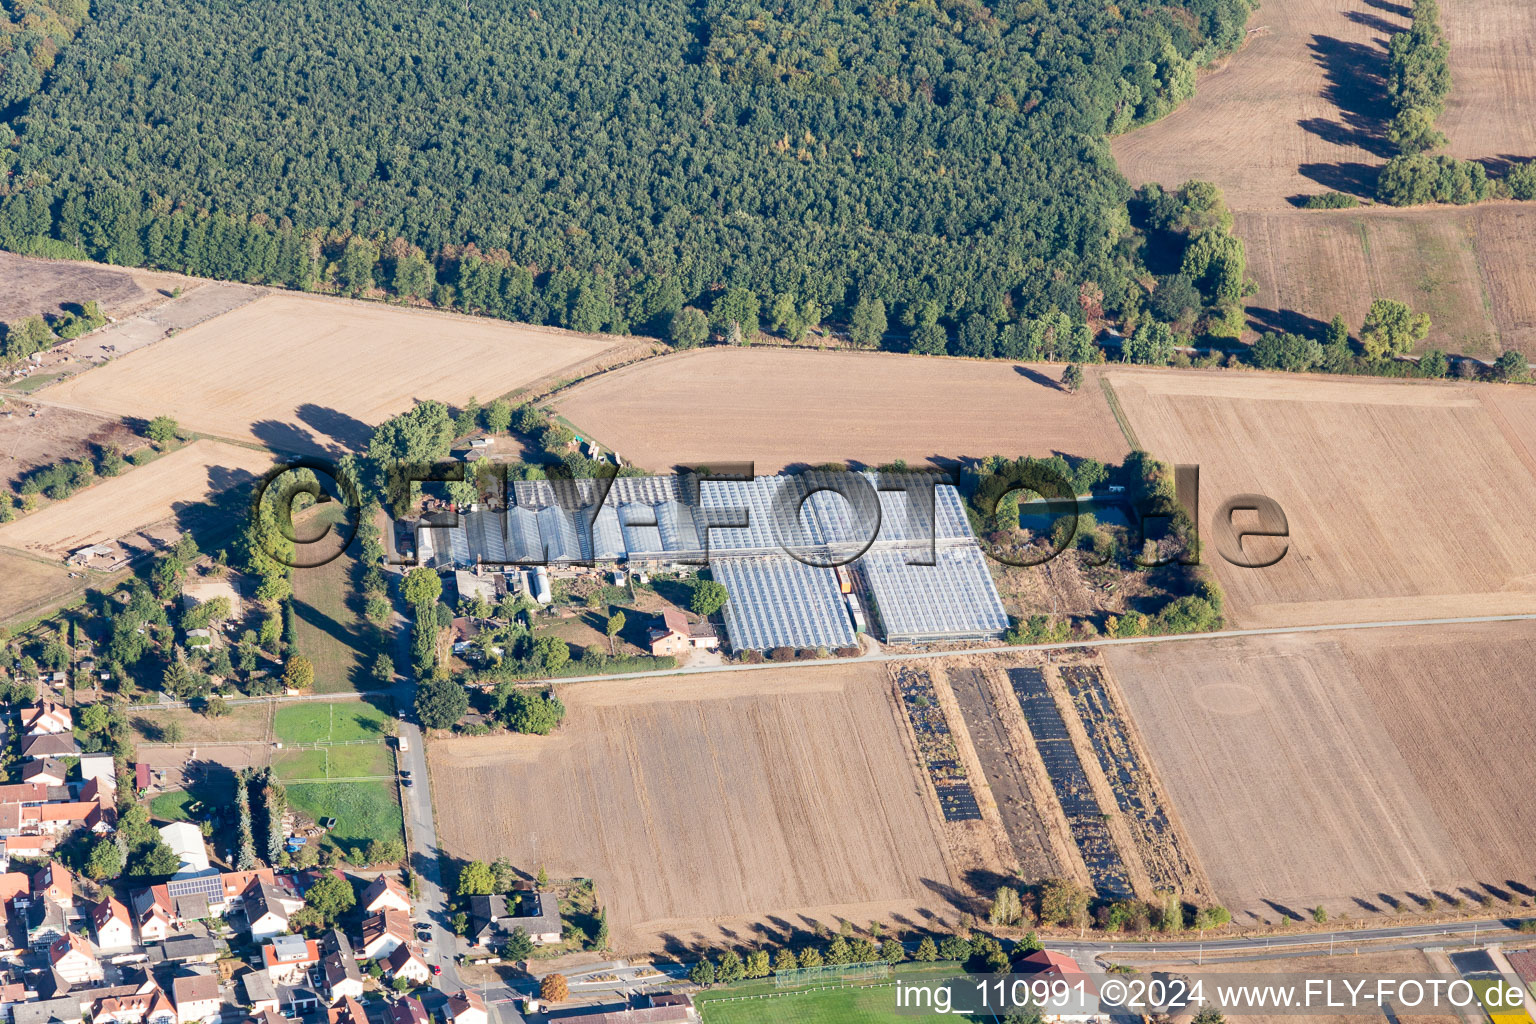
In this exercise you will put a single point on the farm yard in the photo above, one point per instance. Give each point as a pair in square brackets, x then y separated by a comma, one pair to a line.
[302, 373]
[1363, 769]
[1404, 499]
[119, 506]
[787, 407]
[703, 808]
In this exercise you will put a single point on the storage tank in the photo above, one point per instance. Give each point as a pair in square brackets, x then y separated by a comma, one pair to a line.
[541, 591]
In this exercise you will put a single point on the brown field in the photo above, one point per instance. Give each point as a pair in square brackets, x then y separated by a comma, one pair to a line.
[30, 587]
[714, 805]
[244, 723]
[28, 441]
[42, 287]
[301, 372]
[1404, 499]
[140, 497]
[780, 407]
[1493, 78]
[1359, 767]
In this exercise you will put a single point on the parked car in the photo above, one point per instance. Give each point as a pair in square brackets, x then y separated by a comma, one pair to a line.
[436, 969]
[405, 782]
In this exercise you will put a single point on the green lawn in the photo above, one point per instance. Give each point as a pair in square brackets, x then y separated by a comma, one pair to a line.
[330, 722]
[331, 631]
[352, 762]
[364, 811]
[831, 1006]
[173, 806]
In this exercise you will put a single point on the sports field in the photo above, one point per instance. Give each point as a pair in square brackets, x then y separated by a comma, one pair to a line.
[713, 806]
[1361, 768]
[331, 722]
[834, 1006]
[1404, 499]
[118, 506]
[781, 407]
[305, 373]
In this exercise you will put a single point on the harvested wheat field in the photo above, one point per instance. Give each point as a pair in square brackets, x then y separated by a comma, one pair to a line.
[779, 407]
[30, 587]
[305, 373]
[38, 287]
[1361, 768]
[1493, 79]
[1404, 499]
[733, 803]
[34, 435]
[141, 497]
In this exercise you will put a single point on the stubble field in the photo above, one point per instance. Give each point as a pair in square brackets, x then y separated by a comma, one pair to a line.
[118, 506]
[305, 373]
[37, 287]
[782, 407]
[712, 806]
[1361, 768]
[1404, 500]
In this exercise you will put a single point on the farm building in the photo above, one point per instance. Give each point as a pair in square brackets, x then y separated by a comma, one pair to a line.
[771, 540]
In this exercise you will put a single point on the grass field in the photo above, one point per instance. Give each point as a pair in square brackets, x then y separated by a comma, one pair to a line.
[122, 505]
[1403, 499]
[364, 811]
[30, 587]
[243, 722]
[1360, 768]
[331, 722]
[711, 806]
[299, 372]
[344, 762]
[873, 1005]
[175, 805]
[780, 407]
[331, 631]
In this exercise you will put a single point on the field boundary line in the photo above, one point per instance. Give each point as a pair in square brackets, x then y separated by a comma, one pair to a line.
[1119, 414]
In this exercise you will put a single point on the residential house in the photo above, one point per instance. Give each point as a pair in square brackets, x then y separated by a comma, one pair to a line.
[675, 635]
[266, 1015]
[288, 958]
[383, 932]
[408, 1010]
[150, 1006]
[24, 846]
[487, 920]
[46, 718]
[55, 818]
[348, 1011]
[538, 914]
[47, 771]
[45, 924]
[73, 958]
[13, 991]
[196, 997]
[192, 947]
[102, 767]
[54, 884]
[386, 893]
[1061, 970]
[408, 962]
[60, 1010]
[49, 744]
[466, 1007]
[343, 980]
[260, 993]
[112, 924]
[153, 912]
[268, 905]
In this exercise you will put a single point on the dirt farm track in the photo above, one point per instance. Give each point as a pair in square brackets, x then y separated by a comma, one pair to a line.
[1359, 768]
[710, 806]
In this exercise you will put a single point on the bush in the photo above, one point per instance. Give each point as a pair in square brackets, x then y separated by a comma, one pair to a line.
[1521, 181]
[1330, 201]
[1418, 178]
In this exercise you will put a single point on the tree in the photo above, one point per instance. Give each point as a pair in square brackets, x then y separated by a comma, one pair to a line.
[497, 416]
[892, 951]
[1320, 914]
[215, 707]
[299, 673]
[440, 703]
[1511, 365]
[421, 586]
[1007, 910]
[105, 860]
[702, 973]
[475, 879]
[384, 851]
[739, 307]
[785, 960]
[161, 430]
[955, 947]
[614, 627]
[810, 956]
[1072, 377]
[553, 988]
[330, 897]
[688, 328]
[730, 969]
[1151, 343]
[927, 950]
[519, 944]
[152, 859]
[1062, 901]
[1209, 1015]
[171, 732]
[537, 713]
[384, 668]
[867, 326]
[1392, 329]
[757, 965]
[708, 597]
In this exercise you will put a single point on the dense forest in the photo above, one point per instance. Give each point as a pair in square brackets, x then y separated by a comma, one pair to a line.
[600, 165]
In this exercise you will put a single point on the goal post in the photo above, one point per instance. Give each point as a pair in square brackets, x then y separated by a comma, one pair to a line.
[832, 974]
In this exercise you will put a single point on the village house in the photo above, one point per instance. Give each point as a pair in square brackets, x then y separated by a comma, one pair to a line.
[54, 884]
[383, 932]
[101, 767]
[465, 1007]
[1059, 968]
[149, 1006]
[676, 635]
[268, 905]
[407, 962]
[385, 893]
[288, 958]
[196, 997]
[59, 1010]
[408, 1010]
[49, 744]
[260, 993]
[47, 771]
[112, 924]
[46, 717]
[74, 959]
[343, 979]
[348, 1011]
